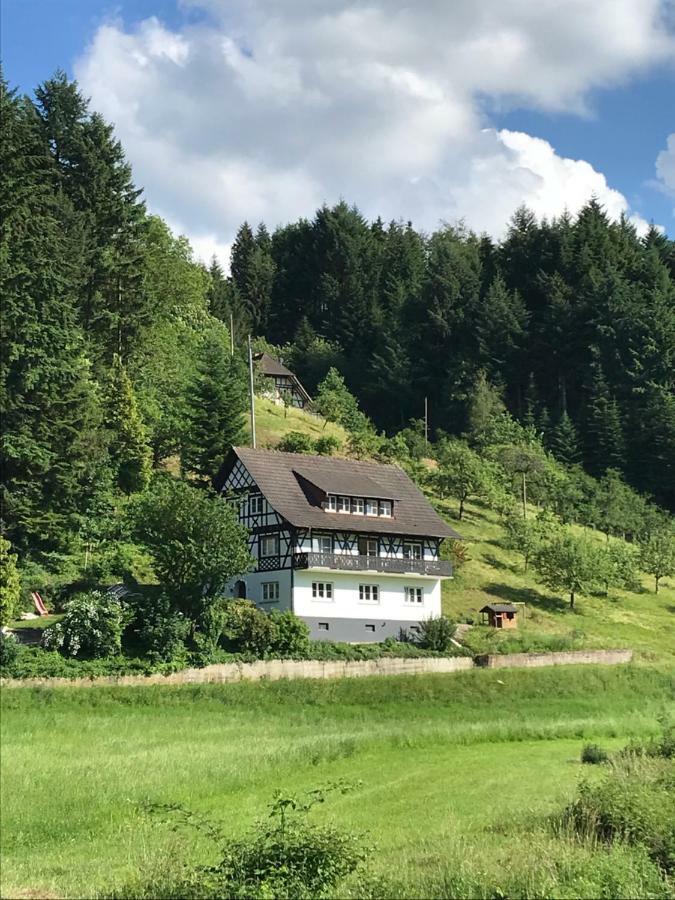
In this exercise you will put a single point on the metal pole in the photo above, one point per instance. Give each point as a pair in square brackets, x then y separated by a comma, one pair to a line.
[250, 384]
[426, 421]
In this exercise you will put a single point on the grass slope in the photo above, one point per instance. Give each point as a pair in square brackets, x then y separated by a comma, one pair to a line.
[273, 422]
[471, 761]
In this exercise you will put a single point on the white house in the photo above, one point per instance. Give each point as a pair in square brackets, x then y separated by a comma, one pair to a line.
[351, 547]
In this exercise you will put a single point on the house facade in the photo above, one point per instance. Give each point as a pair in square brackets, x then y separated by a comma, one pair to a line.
[281, 385]
[353, 548]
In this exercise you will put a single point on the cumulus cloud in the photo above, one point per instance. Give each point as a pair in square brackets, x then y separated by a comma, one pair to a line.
[265, 110]
[665, 166]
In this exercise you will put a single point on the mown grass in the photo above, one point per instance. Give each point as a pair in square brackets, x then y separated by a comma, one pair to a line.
[273, 422]
[642, 620]
[473, 757]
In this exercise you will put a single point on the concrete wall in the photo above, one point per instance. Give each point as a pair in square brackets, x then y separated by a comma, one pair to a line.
[572, 657]
[272, 670]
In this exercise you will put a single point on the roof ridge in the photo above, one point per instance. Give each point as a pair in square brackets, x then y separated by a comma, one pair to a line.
[318, 457]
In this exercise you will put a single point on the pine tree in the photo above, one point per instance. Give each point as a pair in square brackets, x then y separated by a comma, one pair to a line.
[216, 407]
[129, 451]
[604, 440]
[564, 443]
[500, 327]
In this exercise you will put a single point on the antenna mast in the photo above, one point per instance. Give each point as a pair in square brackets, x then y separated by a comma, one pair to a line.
[250, 385]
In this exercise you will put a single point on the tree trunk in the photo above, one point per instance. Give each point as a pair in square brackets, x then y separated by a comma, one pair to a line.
[461, 508]
[524, 496]
[657, 578]
[571, 599]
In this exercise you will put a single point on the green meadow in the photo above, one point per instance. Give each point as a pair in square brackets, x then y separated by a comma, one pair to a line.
[455, 777]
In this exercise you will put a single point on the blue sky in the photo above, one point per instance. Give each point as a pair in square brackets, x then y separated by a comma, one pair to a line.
[278, 80]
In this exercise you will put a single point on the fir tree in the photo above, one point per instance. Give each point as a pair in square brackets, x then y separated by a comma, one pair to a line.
[216, 407]
[605, 447]
[564, 443]
[129, 451]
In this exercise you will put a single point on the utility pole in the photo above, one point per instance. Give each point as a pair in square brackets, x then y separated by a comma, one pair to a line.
[426, 421]
[250, 384]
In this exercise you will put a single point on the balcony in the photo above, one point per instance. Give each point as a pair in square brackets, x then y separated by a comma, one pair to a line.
[342, 562]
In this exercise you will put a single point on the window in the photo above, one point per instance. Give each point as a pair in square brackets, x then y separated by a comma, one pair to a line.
[358, 506]
[372, 507]
[322, 590]
[269, 545]
[323, 543]
[323, 626]
[255, 505]
[371, 547]
[331, 504]
[369, 593]
[412, 551]
[344, 504]
[414, 595]
[385, 508]
[370, 628]
[270, 591]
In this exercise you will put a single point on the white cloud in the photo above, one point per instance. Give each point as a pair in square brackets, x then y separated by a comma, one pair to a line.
[665, 166]
[266, 110]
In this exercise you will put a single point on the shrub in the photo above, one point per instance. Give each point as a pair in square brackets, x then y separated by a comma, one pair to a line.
[249, 629]
[10, 583]
[90, 629]
[327, 446]
[593, 754]
[292, 635]
[159, 632]
[436, 633]
[282, 856]
[296, 442]
[9, 651]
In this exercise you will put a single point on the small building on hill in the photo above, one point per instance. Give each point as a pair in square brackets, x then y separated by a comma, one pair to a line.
[500, 615]
[281, 385]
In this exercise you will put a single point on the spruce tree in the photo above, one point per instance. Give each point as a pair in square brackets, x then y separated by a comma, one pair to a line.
[217, 403]
[130, 454]
[564, 442]
[604, 439]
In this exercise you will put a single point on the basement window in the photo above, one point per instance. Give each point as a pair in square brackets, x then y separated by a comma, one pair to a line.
[370, 628]
[323, 626]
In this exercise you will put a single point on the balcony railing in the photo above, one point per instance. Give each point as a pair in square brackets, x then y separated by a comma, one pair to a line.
[344, 562]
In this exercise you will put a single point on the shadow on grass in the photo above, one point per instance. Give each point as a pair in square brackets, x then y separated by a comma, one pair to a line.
[526, 595]
[495, 563]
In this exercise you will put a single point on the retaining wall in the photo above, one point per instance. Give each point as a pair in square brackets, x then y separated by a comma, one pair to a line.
[275, 669]
[571, 657]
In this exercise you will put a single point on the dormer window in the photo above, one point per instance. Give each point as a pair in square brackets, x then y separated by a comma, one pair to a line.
[332, 503]
[372, 507]
[385, 508]
[358, 506]
[344, 504]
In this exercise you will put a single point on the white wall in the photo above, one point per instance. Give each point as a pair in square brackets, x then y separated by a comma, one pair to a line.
[345, 603]
[253, 582]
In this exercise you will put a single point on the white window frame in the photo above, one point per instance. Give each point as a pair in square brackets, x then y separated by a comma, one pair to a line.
[256, 505]
[414, 595]
[317, 541]
[358, 506]
[372, 543]
[386, 507]
[322, 591]
[269, 591]
[344, 505]
[331, 503]
[372, 507]
[410, 549]
[370, 594]
[263, 540]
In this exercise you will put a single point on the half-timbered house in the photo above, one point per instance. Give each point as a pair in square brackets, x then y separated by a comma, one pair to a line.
[280, 384]
[353, 548]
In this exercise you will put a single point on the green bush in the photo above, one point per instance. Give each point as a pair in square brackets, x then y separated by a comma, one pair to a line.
[248, 629]
[90, 629]
[158, 631]
[9, 651]
[296, 442]
[327, 445]
[436, 633]
[593, 754]
[292, 635]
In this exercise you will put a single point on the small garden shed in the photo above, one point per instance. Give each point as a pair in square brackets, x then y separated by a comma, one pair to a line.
[500, 615]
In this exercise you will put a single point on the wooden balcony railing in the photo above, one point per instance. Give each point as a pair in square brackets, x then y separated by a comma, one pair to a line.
[344, 562]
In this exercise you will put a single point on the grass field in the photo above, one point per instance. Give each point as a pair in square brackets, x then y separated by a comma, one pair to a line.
[461, 768]
[273, 422]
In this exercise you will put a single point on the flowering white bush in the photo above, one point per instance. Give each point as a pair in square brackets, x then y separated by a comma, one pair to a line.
[90, 629]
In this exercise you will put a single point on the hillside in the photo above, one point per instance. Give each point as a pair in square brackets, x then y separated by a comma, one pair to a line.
[643, 621]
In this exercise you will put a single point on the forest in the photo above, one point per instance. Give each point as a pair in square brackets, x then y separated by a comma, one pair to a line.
[116, 357]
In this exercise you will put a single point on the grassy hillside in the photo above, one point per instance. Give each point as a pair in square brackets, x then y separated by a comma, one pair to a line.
[273, 422]
[447, 766]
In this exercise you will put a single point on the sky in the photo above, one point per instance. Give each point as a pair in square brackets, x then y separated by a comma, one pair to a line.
[435, 111]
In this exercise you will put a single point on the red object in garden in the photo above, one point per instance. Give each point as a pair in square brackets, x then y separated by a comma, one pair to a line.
[39, 604]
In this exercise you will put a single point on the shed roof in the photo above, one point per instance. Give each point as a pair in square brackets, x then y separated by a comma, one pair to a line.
[276, 474]
[499, 607]
[273, 367]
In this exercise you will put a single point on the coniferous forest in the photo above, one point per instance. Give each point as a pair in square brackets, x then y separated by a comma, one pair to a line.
[116, 341]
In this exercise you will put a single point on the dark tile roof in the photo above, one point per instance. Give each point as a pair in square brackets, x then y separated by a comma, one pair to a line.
[335, 481]
[275, 475]
[499, 607]
[272, 367]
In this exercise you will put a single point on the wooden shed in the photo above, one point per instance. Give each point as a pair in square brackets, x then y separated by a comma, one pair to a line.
[500, 615]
